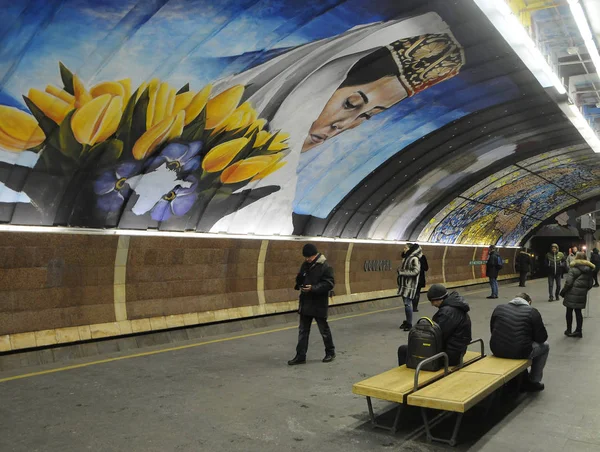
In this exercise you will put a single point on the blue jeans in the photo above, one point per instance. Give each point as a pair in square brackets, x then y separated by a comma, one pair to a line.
[494, 285]
[408, 309]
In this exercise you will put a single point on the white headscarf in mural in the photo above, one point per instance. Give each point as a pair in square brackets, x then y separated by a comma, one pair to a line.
[292, 89]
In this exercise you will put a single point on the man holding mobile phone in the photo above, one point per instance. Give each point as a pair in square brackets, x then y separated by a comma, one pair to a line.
[314, 280]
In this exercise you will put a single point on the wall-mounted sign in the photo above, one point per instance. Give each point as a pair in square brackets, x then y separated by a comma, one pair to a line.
[378, 265]
[484, 262]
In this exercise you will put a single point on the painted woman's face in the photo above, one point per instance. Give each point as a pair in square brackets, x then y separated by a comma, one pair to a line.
[351, 105]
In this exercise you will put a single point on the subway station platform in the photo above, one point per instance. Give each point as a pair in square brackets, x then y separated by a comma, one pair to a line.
[236, 393]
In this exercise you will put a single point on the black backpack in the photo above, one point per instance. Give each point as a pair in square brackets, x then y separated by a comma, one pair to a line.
[424, 341]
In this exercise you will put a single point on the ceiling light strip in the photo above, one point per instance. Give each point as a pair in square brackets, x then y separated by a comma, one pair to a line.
[205, 235]
[503, 19]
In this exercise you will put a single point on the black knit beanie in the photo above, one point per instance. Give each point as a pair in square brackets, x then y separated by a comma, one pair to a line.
[436, 292]
[309, 250]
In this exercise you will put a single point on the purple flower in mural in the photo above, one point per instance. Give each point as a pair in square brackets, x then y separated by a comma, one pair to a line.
[176, 202]
[112, 187]
[178, 157]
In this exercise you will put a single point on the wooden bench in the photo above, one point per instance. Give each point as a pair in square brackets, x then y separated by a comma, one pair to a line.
[463, 389]
[396, 384]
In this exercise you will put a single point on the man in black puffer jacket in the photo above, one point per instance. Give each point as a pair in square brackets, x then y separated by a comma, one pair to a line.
[315, 280]
[454, 321]
[518, 332]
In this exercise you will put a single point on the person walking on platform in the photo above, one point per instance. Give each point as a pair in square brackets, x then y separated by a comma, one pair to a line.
[421, 283]
[408, 280]
[454, 321]
[579, 281]
[518, 332]
[595, 259]
[314, 280]
[492, 268]
[555, 263]
[523, 265]
[571, 257]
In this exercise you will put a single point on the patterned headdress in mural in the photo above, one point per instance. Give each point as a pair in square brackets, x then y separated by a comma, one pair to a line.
[426, 60]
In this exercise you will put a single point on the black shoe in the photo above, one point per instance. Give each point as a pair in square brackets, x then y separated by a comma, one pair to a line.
[551, 299]
[568, 333]
[531, 386]
[575, 334]
[403, 324]
[329, 358]
[297, 360]
[596, 285]
[490, 297]
[407, 327]
[415, 310]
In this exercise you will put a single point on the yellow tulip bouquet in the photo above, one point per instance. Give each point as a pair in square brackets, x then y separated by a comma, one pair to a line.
[93, 143]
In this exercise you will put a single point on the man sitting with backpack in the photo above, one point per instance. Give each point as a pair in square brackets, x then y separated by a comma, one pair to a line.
[453, 320]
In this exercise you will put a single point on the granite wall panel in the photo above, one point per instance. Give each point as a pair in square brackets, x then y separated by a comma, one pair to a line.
[55, 280]
[173, 275]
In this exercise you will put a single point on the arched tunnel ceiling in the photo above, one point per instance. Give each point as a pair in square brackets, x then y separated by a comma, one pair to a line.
[371, 119]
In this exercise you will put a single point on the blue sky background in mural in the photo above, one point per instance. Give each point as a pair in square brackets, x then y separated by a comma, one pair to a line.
[346, 160]
[178, 41]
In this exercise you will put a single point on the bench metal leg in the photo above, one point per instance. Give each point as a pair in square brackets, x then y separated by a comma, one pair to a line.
[430, 437]
[394, 427]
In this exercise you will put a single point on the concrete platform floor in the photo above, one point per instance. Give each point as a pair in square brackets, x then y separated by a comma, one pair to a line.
[237, 393]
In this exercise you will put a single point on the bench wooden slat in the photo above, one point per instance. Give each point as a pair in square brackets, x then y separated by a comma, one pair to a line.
[394, 384]
[507, 368]
[457, 392]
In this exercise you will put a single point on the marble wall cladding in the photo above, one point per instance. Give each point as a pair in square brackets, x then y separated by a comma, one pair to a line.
[55, 280]
[457, 266]
[55, 284]
[377, 277]
[435, 259]
[167, 276]
[283, 260]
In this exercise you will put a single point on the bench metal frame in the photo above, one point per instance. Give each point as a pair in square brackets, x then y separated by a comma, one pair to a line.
[400, 408]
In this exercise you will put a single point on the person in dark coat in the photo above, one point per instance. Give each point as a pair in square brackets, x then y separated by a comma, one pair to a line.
[555, 263]
[518, 332]
[492, 268]
[579, 281]
[421, 283]
[595, 259]
[314, 280]
[454, 321]
[523, 265]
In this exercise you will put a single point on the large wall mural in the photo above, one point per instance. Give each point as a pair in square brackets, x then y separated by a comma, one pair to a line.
[504, 207]
[181, 115]
[188, 115]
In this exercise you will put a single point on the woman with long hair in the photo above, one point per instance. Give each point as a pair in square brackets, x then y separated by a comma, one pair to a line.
[580, 280]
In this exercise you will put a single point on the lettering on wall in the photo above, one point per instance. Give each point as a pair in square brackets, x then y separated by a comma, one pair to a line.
[378, 265]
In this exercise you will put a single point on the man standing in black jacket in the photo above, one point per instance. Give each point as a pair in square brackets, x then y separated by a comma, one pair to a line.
[518, 332]
[315, 280]
[523, 266]
[454, 321]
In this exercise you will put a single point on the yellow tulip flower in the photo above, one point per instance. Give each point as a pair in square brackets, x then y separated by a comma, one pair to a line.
[269, 170]
[183, 100]
[18, 130]
[82, 96]
[167, 129]
[97, 120]
[197, 103]
[222, 105]
[220, 156]
[61, 94]
[246, 169]
[262, 137]
[52, 106]
[258, 124]
[112, 88]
